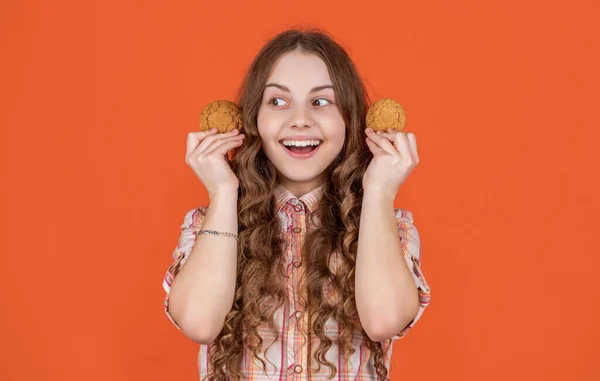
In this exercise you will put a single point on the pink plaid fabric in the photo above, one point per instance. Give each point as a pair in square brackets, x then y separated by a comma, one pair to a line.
[286, 358]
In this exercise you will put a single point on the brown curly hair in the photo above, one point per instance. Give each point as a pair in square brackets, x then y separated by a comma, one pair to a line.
[259, 264]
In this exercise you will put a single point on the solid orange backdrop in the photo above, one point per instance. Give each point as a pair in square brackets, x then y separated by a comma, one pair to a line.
[97, 99]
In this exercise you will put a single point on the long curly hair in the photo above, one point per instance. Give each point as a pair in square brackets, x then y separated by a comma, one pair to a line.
[259, 260]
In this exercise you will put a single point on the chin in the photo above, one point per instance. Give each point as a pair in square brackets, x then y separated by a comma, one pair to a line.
[302, 175]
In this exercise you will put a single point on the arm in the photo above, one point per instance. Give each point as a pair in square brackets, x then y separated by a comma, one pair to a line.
[386, 295]
[202, 291]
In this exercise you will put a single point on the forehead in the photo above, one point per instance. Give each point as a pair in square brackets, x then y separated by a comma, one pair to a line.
[300, 71]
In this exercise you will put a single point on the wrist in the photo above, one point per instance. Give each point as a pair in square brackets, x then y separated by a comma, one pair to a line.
[377, 194]
[224, 193]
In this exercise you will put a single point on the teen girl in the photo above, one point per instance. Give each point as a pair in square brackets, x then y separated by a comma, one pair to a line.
[300, 268]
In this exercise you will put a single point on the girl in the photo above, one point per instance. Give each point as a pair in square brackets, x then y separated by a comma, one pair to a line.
[279, 282]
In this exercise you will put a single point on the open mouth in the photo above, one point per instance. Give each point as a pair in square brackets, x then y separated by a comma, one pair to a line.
[301, 149]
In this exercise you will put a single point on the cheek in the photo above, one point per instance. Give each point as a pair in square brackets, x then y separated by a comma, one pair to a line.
[337, 135]
[262, 125]
[340, 142]
[260, 122]
[266, 124]
[266, 135]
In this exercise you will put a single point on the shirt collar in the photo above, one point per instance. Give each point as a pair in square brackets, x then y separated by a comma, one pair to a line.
[310, 199]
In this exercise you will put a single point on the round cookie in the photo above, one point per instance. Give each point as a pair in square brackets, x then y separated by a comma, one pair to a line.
[222, 114]
[384, 114]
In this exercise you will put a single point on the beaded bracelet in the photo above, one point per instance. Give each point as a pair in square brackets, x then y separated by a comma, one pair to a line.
[214, 232]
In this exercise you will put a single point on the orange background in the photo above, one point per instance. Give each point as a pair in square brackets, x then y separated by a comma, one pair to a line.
[97, 99]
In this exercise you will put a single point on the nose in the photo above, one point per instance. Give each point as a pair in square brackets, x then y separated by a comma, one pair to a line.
[301, 118]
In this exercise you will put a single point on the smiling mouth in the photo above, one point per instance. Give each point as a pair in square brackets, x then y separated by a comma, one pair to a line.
[295, 149]
[301, 150]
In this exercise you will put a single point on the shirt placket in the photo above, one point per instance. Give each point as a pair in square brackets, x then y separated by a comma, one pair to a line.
[297, 366]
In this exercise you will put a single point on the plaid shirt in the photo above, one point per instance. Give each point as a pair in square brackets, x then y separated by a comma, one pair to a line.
[286, 358]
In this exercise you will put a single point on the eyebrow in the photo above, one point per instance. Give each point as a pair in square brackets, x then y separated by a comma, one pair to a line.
[284, 88]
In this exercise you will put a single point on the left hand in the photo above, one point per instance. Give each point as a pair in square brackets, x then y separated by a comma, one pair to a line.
[394, 158]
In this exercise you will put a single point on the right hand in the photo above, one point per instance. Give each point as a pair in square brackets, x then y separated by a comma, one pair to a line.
[206, 154]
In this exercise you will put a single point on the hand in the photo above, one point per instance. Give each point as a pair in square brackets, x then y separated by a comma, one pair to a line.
[394, 158]
[206, 154]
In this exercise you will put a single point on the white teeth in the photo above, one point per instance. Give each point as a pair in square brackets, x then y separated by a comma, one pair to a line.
[302, 143]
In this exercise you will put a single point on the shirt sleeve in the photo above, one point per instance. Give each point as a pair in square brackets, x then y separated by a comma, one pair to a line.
[411, 249]
[192, 223]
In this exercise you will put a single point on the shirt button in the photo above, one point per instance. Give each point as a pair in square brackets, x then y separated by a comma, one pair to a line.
[298, 369]
[298, 208]
[296, 263]
[297, 230]
[298, 313]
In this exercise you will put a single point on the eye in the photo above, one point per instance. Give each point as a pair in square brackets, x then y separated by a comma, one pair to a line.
[274, 99]
[322, 99]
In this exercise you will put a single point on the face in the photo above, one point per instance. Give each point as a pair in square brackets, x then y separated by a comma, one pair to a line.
[297, 111]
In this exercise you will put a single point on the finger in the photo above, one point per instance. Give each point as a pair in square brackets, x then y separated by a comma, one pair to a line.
[412, 142]
[403, 147]
[211, 138]
[383, 143]
[405, 143]
[227, 159]
[391, 134]
[388, 135]
[224, 148]
[373, 147]
[194, 138]
[217, 143]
